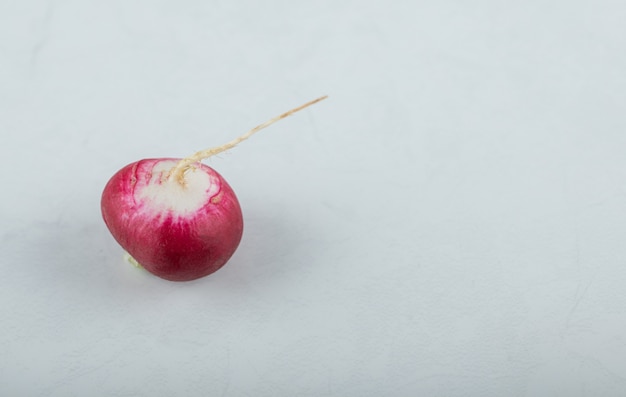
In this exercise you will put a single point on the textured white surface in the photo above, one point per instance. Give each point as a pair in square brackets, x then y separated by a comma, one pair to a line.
[167, 195]
[450, 222]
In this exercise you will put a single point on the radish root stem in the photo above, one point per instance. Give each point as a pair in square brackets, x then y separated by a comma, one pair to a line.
[132, 260]
[179, 170]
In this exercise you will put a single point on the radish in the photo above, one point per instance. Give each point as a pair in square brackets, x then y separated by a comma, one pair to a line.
[177, 218]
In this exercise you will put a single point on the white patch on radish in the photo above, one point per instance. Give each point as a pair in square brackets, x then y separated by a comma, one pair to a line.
[162, 195]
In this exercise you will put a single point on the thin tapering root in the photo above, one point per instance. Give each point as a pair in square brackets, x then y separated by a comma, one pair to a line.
[179, 170]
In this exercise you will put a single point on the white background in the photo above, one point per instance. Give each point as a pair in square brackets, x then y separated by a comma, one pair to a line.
[450, 222]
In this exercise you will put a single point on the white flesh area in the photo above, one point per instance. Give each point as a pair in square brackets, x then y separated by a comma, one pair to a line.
[161, 195]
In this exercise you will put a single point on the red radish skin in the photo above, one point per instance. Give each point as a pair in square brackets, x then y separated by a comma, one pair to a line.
[177, 218]
[172, 237]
